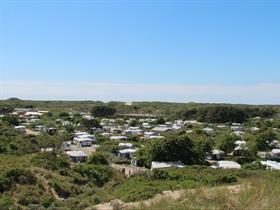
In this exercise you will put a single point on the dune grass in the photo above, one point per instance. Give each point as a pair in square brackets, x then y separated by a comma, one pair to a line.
[255, 193]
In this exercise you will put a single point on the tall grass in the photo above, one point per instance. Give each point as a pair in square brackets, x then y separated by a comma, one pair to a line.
[256, 193]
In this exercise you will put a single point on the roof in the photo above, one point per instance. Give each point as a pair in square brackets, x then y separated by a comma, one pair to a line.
[156, 164]
[272, 164]
[161, 129]
[216, 152]
[240, 142]
[125, 145]
[123, 151]
[83, 139]
[76, 154]
[19, 127]
[228, 164]
[33, 113]
[275, 151]
[118, 137]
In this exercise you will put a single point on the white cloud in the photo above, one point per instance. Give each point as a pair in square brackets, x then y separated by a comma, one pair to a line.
[256, 93]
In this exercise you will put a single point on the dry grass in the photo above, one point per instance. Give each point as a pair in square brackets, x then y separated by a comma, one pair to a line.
[255, 194]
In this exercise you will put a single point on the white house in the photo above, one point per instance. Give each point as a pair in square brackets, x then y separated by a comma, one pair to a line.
[240, 143]
[254, 129]
[134, 131]
[208, 130]
[40, 128]
[118, 138]
[77, 156]
[218, 154]
[161, 129]
[20, 128]
[226, 164]
[126, 145]
[126, 153]
[275, 153]
[83, 139]
[271, 165]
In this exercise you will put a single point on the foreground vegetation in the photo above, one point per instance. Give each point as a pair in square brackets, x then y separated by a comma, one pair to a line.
[254, 193]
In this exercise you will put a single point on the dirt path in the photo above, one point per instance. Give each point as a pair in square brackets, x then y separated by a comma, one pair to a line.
[174, 195]
[45, 184]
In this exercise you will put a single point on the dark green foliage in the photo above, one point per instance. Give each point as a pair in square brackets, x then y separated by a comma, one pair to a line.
[63, 115]
[89, 124]
[225, 113]
[103, 111]
[5, 109]
[11, 120]
[50, 161]
[64, 189]
[174, 147]
[98, 158]
[6, 202]
[16, 176]
[225, 142]
[96, 174]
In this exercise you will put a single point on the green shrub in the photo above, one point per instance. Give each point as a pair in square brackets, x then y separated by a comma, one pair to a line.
[98, 158]
[50, 161]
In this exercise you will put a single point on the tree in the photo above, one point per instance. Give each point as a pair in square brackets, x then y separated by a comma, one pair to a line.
[98, 158]
[263, 139]
[225, 142]
[173, 148]
[63, 115]
[89, 124]
[11, 120]
[103, 111]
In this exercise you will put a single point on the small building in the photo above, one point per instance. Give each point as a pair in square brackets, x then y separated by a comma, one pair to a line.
[159, 165]
[40, 128]
[236, 128]
[77, 156]
[254, 129]
[160, 129]
[126, 153]
[275, 153]
[83, 142]
[240, 143]
[274, 144]
[126, 145]
[21, 128]
[156, 137]
[271, 165]
[131, 131]
[240, 151]
[148, 134]
[118, 138]
[218, 154]
[226, 164]
[208, 130]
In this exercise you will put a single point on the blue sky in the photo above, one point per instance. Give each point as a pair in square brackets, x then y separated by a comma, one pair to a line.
[229, 50]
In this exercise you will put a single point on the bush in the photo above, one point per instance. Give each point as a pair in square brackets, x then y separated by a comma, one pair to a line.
[11, 120]
[16, 176]
[50, 161]
[97, 174]
[103, 111]
[98, 158]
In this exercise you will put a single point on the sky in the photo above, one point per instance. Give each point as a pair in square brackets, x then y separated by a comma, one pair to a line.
[156, 50]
